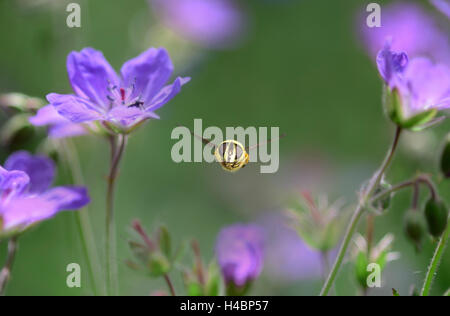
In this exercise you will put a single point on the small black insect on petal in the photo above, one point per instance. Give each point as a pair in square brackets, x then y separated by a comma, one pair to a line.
[137, 104]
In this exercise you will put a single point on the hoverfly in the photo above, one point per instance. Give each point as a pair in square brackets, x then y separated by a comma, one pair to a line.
[231, 154]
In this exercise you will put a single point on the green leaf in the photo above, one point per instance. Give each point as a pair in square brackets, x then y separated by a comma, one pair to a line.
[395, 292]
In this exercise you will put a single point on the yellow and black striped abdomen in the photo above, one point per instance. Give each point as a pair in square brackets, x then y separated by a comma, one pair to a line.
[231, 155]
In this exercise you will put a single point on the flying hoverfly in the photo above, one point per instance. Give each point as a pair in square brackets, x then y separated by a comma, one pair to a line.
[231, 154]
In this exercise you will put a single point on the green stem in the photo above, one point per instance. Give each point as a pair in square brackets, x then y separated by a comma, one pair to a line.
[325, 264]
[111, 266]
[366, 194]
[432, 269]
[5, 273]
[83, 222]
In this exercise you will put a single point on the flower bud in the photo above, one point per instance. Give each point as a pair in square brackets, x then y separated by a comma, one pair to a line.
[436, 214]
[152, 253]
[20, 101]
[445, 158]
[240, 255]
[415, 226]
[384, 203]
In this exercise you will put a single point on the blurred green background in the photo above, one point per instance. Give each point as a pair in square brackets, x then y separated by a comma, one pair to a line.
[300, 67]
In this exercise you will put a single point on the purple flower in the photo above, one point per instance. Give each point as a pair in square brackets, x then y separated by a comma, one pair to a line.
[58, 125]
[421, 84]
[212, 23]
[288, 257]
[443, 6]
[120, 102]
[411, 29]
[25, 194]
[239, 251]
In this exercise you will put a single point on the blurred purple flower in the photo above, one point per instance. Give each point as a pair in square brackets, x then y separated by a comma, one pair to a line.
[58, 125]
[25, 194]
[239, 251]
[124, 102]
[212, 23]
[443, 6]
[299, 261]
[411, 29]
[422, 84]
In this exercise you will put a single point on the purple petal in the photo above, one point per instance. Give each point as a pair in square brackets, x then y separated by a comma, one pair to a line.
[40, 170]
[48, 116]
[428, 84]
[443, 6]
[127, 116]
[59, 126]
[66, 130]
[90, 75]
[239, 252]
[391, 65]
[67, 198]
[148, 72]
[412, 30]
[23, 211]
[213, 23]
[167, 93]
[73, 108]
[12, 182]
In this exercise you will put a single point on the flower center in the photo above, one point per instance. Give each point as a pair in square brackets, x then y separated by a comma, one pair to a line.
[120, 96]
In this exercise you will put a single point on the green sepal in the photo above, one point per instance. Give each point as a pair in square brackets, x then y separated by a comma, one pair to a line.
[416, 122]
[194, 289]
[393, 106]
[445, 158]
[164, 241]
[212, 286]
[361, 263]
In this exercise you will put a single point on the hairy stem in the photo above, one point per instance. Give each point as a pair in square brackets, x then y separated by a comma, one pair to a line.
[169, 284]
[84, 223]
[111, 265]
[432, 269]
[5, 273]
[365, 196]
[420, 179]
